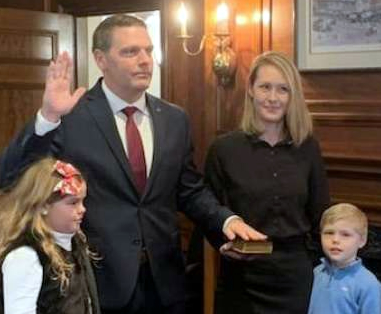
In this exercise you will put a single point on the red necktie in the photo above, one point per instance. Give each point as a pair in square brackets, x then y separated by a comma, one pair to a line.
[135, 150]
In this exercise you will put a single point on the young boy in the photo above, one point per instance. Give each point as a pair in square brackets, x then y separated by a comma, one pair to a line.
[341, 284]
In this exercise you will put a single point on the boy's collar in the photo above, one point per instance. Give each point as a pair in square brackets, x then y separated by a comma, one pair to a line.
[328, 265]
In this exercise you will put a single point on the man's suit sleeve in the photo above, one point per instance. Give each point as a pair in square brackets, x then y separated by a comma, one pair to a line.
[214, 176]
[24, 149]
[197, 201]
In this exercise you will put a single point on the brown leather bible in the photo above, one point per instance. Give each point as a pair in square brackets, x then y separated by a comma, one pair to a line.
[253, 247]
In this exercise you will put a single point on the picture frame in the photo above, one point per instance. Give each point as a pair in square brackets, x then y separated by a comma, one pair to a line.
[333, 35]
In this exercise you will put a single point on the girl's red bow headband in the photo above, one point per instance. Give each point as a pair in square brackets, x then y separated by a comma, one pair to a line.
[70, 183]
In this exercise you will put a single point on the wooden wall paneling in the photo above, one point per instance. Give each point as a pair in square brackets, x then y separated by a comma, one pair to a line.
[34, 5]
[183, 76]
[282, 26]
[183, 81]
[209, 77]
[349, 132]
[247, 42]
[356, 181]
[90, 7]
[348, 85]
[211, 262]
[346, 109]
[28, 41]
[37, 5]
[269, 25]
[266, 24]
[212, 116]
[225, 104]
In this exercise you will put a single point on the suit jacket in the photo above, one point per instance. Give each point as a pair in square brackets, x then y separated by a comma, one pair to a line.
[118, 220]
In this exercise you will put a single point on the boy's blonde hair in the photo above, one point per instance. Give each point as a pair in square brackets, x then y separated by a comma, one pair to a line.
[349, 212]
[22, 214]
[298, 121]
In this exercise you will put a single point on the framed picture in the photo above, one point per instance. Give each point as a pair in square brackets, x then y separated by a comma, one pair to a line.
[338, 34]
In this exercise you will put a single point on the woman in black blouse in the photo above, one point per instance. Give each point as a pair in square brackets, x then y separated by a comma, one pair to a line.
[270, 173]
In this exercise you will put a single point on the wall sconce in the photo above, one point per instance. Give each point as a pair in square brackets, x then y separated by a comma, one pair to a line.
[224, 61]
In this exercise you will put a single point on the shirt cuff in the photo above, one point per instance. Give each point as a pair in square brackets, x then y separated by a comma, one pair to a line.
[43, 126]
[228, 220]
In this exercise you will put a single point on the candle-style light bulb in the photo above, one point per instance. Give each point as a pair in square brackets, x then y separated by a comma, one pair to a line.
[183, 17]
[222, 23]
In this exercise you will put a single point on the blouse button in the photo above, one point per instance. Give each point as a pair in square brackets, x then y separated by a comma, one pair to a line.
[275, 174]
[136, 242]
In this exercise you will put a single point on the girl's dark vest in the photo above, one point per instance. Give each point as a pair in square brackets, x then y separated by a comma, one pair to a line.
[78, 298]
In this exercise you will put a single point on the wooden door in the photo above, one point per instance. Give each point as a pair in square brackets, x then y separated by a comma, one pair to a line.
[28, 41]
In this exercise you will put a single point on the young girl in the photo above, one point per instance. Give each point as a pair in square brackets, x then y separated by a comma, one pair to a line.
[44, 256]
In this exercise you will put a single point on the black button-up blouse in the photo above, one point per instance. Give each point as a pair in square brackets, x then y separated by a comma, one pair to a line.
[280, 190]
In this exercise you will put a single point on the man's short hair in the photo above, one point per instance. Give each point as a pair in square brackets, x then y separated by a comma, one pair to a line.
[102, 36]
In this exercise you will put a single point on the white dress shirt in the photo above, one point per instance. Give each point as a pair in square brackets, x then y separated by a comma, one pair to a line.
[22, 277]
[142, 120]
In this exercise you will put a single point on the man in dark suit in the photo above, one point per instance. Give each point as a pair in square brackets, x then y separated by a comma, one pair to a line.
[131, 218]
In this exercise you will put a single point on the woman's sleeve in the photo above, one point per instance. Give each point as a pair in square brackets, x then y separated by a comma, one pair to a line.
[319, 198]
[22, 280]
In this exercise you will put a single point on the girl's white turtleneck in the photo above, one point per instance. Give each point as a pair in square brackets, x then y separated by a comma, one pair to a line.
[63, 239]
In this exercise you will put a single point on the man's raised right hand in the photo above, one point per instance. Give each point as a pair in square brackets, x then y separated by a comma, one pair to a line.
[58, 99]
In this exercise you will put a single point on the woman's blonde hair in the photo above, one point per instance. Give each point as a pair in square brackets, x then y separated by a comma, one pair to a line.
[298, 122]
[346, 211]
[22, 215]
